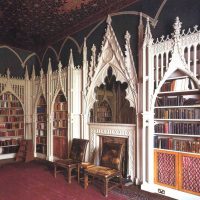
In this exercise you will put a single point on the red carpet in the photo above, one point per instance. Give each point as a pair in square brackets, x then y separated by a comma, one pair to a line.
[35, 181]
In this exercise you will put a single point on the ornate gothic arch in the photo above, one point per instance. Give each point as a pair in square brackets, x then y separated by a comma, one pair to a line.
[123, 67]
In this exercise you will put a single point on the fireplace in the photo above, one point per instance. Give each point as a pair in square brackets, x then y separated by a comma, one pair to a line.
[101, 132]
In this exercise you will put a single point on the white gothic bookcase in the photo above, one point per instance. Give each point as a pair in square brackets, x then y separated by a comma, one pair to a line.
[171, 113]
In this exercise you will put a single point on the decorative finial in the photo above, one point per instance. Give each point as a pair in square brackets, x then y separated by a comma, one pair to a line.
[148, 35]
[177, 26]
[93, 49]
[84, 44]
[109, 20]
[141, 18]
[59, 66]
[26, 73]
[8, 73]
[127, 37]
[49, 66]
[33, 73]
[41, 73]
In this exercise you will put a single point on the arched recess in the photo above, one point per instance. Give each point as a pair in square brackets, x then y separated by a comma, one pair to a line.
[12, 116]
[41, 126]
[131, 95]
[60, 125]
[111, 105]
[182, 72]
[13, 93]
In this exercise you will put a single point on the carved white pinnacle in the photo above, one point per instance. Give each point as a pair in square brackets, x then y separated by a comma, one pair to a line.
[127, 37]
[148, 35]
[177, 26]
[26, 73]
[49, 66]
[93, 49]
[41, 73]
[109, 20]
[59, 66]
[141, 18]
[33, 73]
[8, 73]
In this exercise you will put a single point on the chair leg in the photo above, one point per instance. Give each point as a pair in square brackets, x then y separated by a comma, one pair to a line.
[105, 189]
[55, 171]
[69, 172]
[121, 184]
[85, 181]
[79, 168]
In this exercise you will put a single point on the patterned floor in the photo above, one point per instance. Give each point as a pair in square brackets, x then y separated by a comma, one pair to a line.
[39, 169]
[134, 192]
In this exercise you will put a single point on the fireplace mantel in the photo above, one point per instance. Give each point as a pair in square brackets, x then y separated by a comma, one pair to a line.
[113, 130]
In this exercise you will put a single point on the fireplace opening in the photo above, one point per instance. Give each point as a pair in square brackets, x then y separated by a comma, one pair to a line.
[109, 139]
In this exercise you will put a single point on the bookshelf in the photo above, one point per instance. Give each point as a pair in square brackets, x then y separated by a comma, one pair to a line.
[171, 114]
[176, 133]
[60, 126]
[41, 131]
[104, 112]
[177, 117]
[11, 125]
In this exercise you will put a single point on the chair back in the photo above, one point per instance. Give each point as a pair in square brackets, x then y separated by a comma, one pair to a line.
[112, 155]
[78, 149]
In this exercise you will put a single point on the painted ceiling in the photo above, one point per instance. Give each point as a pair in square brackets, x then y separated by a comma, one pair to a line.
[33, 24]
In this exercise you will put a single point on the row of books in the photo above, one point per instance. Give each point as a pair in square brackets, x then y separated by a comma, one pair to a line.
[104, 114]
[192, 146]
[59, 132]
[9, 149]
[6, 104]
[178, 113]
[176, 101]
[8, 96]
[42, 117]
[11, 119]
[42, 126]
[11, 111]
[60, 115]
[10, 142]
[103, 119]
[60, 123]
[41, 140]
[41, 132]
[41, 148]
[17, 132]
[60, 106]
[182, 84]
[9, 125]
[178, 128]
[41, 109]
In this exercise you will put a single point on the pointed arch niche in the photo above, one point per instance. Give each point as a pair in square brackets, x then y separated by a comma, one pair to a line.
[111, 105]
[41, 128]
[12, 124]
[60, 128]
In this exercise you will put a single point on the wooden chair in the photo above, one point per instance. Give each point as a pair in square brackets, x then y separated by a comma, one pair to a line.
[77, 155]
[110, 167]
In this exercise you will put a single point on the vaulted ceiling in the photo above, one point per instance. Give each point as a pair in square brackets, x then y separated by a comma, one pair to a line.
[33, 24]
